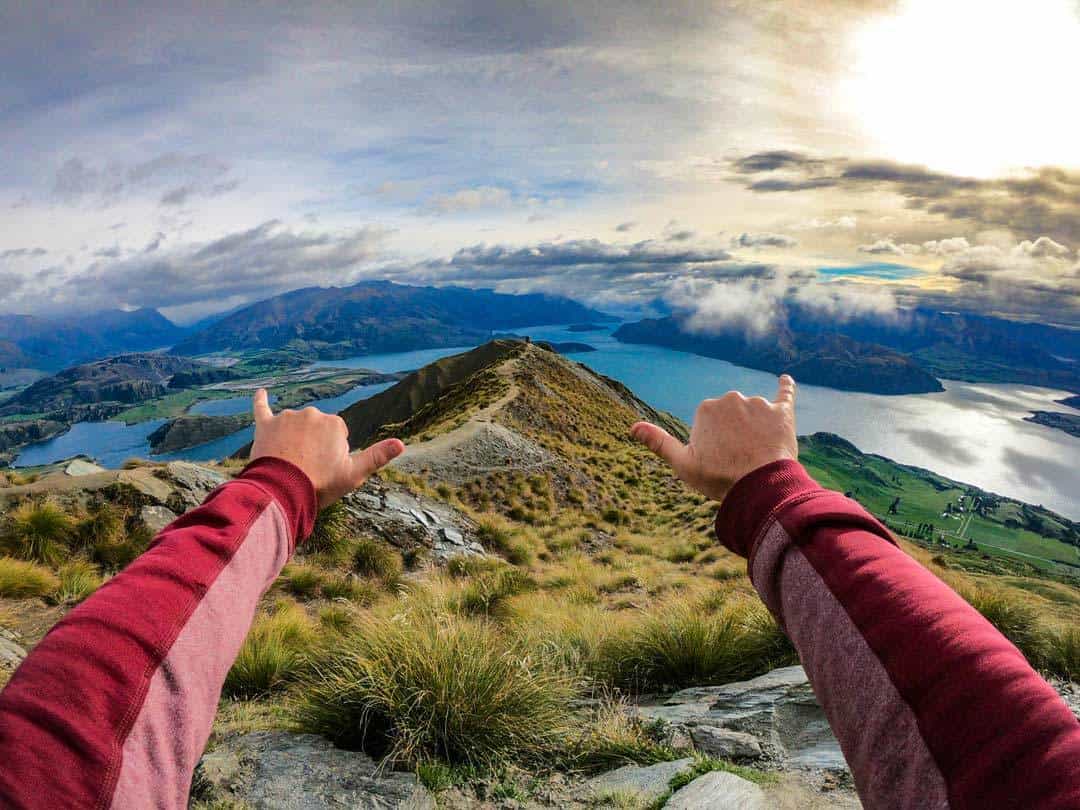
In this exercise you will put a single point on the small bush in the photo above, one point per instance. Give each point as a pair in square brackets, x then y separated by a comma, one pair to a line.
[373, 558]
[337, 618]
[486, 594]
[38, 531]
[273, 653]
[118, 552]
[497, 536]
[610, 737]
[302, 580]
[461, 566]
[351, 588]
[678, 645]
[104, 524]
[1062, 653]
[1015, 619]
[78, 579]
[331, 534]
[20, 579]
[424, 686]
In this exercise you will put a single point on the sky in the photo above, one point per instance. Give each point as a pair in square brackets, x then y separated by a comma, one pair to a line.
[716, 156]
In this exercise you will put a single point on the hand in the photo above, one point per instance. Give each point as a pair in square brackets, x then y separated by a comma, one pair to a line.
[318, 443]
[731, 437]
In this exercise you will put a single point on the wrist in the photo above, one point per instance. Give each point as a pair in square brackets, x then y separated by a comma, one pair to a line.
[755, 497]
[290, 486]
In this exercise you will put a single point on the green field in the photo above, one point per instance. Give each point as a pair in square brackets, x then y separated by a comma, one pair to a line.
[1009, 528]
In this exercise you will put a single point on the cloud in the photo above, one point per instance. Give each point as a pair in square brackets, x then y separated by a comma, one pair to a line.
[177, 176]
[846, 223]
[23, 253]
[624, 227]
[1040, 202]
[255, 263]
[882, 247]
[756, 240]
[758, 304]
[470, 199]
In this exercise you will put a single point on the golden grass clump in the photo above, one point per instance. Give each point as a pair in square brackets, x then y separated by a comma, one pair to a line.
[78, 579]
[22, 579]
[425, 685]
[273, 653]
[39, 531]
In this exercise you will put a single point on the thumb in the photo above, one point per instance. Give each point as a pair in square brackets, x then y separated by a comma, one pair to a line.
[375, 458]
[660, 442]
[261, 406]
[785, 390]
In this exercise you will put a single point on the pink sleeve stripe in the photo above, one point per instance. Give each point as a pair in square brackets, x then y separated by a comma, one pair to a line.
[172, 728]
[66, 712]
[1000, 734]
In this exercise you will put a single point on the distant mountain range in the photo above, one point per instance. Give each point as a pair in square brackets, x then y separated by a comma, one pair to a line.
[27, 341]
[379, 316]
[832, 360]
[903, 355]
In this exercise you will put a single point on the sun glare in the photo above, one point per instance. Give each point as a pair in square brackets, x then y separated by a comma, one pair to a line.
[973, 87]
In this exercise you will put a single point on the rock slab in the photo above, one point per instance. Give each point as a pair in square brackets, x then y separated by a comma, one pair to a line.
[647, 783]
[718, 790]
[277, 770]
[778, 710]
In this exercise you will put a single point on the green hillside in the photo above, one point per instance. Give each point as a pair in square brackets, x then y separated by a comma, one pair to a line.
[1002, 528]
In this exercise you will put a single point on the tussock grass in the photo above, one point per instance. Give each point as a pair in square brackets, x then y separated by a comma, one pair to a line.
[39, 531]
[273, 653]
[331, 534]
[1062, 653]
[21, 579]
[426, 686]
[498, 535]
[302, 580]
[120, 550]
[1014, 618]
[373, 558]
[351, 588]
[677, 645]
[488, 593]
[104, 524]
[78, 579]
[610, 738]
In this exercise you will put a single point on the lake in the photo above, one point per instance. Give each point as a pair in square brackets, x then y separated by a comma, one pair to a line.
[972, 432]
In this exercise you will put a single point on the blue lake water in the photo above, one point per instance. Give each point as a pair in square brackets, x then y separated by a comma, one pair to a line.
[970, 432]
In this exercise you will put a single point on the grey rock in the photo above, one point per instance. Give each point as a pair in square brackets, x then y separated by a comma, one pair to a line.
[193, 483]
[80, 467]
[1070, 693]
[724, 743]
[156, 518]
[778, 709]
[408, 521]
[11, 653]
[648, 783]
[718, 790]
[143, 481]
[276, 770]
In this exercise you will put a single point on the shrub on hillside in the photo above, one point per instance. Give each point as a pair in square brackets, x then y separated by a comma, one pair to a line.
[331, 534]
[103, 525]
[426, 686]
[118, 551]
[20, 579]
[1016, 619]
[1062, 653]
[78, 579]
[487, 593]
[273, 652]
[372, 558]
[496, 535]
[39, 531]
[676, 645]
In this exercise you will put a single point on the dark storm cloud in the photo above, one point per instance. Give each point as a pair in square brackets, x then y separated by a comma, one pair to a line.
[255, 263]
[182, 176]
[753, 240]
[23, 253]
[1045, 202]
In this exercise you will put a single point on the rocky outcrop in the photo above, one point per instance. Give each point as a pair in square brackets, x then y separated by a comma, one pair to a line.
[647, 783]
[718, 790]
[411, 521]
[11, 651]
[776, 717]
[276, 770]
[14, 435]
[191, 482]
[1068, 422]
[191, 430]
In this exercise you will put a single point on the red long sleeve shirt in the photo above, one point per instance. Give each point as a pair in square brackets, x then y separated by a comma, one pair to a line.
[932, 706]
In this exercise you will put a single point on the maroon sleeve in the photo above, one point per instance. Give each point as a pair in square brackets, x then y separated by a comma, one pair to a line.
[932, 706]
[114, 706]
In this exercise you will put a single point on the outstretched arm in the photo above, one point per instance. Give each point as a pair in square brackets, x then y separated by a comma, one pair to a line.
[932, 706]
[114, 707]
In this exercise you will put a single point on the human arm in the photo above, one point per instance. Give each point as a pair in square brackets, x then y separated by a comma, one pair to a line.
[114, 707]
[932, 706]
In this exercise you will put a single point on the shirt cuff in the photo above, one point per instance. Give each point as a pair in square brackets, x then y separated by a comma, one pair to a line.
[290, 487]
[756, 498]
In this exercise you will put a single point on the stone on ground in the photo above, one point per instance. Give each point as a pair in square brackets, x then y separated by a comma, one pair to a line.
[724, 743]
[11, 652]
[81, 466]
[777, 709]
[193, 483]
[156, 518]
[646, 783]
[718, 790]
[276, 770]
